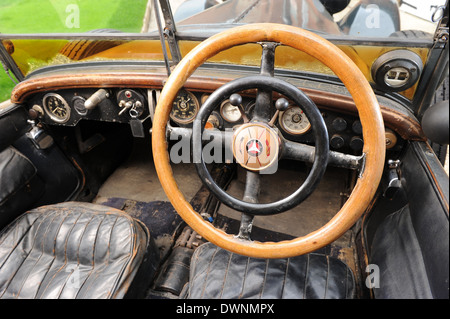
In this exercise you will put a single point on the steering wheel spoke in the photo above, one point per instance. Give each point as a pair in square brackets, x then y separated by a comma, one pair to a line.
[263, 110]
[251, 194]
[305, 153]
[268, 58]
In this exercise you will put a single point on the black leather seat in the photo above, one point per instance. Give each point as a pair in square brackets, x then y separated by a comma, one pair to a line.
[75, 250]
[217, 273]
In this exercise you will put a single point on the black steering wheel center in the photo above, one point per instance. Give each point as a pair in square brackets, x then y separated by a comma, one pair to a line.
[253, 145]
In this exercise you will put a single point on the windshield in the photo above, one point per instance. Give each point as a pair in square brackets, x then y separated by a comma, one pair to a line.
[335, 17]
[344, 17]
[40, 33]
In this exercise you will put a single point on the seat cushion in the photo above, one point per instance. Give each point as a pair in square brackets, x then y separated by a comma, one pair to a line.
[71, 250]
[217, 273]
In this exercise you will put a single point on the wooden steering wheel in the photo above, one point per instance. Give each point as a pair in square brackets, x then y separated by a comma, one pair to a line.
[369, 113]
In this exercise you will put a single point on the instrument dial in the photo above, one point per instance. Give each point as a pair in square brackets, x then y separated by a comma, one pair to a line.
[185, 107]
[56, 107]
[230, 112]
[294, 121]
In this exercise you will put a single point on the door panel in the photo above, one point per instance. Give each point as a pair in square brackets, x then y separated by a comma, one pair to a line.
[411, 245]
[31, 175]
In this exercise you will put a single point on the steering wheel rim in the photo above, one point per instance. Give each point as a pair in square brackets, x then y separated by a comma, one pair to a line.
[366, 104]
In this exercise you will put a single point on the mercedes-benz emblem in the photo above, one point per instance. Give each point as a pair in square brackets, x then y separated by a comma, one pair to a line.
[254, 147]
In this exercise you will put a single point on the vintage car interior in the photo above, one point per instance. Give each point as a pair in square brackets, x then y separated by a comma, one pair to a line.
[278, 155]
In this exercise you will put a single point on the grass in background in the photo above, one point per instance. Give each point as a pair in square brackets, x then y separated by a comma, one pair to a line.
[56, 16]
[44, 16]
[6, 85]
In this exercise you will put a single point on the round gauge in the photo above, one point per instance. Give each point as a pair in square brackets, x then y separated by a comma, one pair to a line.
[78, 105]
[229, 112]
[184, 108]
[204, 98]
[56, 107]
[294, 121]
[214, 121]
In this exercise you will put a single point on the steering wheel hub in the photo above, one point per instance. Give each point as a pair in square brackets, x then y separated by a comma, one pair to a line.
[256, 146]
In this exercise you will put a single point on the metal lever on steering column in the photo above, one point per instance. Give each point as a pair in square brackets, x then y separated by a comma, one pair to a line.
[281, 105]
[236, 100]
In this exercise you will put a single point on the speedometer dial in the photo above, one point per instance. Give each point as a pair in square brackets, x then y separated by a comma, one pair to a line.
[56, 107]
[229, 112]
[184, 108]
[294, 121]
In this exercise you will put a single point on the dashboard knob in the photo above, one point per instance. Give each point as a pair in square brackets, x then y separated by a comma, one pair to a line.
[235, 99]
[337, 141]
[282, 104]
[357, 127]
[391, 139]
[339, 124]
[356, 143]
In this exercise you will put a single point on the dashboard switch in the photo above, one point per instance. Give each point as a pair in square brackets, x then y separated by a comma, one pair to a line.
[339, 124]
[95, 99]
[337, 141]
[356, 143]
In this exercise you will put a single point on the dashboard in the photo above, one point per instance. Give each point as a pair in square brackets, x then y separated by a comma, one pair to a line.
[64, 96]
[68, 107]
[136, 105]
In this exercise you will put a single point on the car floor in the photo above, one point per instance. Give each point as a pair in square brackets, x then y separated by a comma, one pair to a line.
[136, 180]
[134, 187]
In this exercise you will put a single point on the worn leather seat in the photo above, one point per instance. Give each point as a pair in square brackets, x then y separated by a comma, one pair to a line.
[217, 273]
[75, 250]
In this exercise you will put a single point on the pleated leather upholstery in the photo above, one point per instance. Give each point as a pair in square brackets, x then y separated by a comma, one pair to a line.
[71, 250]
[217, 273]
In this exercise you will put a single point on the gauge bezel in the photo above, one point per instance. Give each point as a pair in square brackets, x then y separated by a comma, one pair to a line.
[81, 112]
[51, 114]
[224, 116]
[197, 107]
[289, 131]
